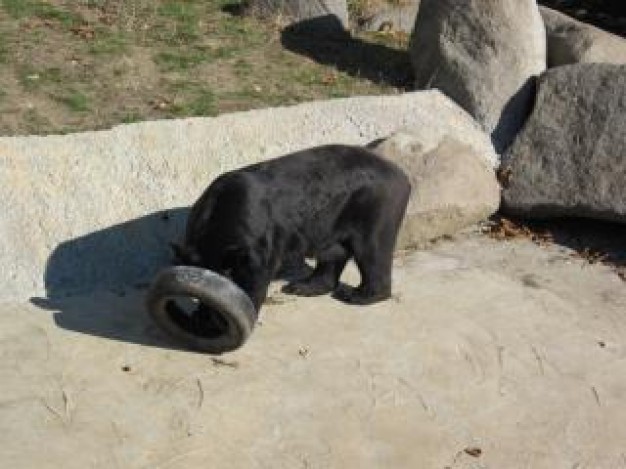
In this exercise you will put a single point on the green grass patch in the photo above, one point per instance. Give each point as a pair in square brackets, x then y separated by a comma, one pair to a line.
[244, 31]
[19, 9]
[130, 118]
[179, 60]
[182, 59]
[4, 50]
[185, 18]
[182, 11]
[31, 78]
[75, 101]
[192, 99]
[202, 103]
[105, 42]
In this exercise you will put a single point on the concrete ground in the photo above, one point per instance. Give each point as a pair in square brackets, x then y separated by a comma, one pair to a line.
[490, 355]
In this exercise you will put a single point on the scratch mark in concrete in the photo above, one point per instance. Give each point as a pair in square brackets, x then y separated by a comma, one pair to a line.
[224, 363]
[596, 396]
[200, 393]
[53, 411]
[539, 360]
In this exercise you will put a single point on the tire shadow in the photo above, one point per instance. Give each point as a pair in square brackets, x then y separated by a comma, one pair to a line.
[120, 317]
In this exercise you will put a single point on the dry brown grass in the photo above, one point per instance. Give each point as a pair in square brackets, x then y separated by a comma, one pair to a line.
[71, 65]
[365, 8]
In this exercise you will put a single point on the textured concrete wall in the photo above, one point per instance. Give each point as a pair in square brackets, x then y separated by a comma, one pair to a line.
[95, 210]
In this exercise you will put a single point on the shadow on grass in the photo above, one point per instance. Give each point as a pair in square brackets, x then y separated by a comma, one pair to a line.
[324, 40]
[235, 8]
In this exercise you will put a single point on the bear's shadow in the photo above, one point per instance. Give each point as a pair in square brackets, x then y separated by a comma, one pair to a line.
[95, 284]
[116, 258]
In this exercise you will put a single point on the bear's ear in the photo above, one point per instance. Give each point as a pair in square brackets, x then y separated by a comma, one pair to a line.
[184, 254]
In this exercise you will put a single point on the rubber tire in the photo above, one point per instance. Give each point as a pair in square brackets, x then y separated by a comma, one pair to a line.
[214, 291]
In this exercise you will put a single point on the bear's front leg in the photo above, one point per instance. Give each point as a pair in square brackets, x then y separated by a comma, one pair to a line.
[374, 258]
[252, 275]
[325, 277]
[314, 285]
[361, 296]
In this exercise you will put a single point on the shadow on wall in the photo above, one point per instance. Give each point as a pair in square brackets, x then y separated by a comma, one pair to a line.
[95, 284]
[116, 258]
[324, 40]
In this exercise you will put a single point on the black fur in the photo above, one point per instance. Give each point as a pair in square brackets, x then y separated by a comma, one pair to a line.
[331, 203]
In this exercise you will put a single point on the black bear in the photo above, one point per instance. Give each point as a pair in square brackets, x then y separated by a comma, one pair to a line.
[330, 203]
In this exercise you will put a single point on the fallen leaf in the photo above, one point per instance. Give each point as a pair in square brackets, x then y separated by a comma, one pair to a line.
[474, 451]
[84, 31]
[329, 78]
[504, 175]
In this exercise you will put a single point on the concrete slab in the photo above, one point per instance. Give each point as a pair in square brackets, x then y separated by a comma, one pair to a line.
[510, 348]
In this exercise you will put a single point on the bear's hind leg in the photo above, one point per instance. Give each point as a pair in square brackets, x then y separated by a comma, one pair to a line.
[375, 263]
[373, 247]
[325, 277]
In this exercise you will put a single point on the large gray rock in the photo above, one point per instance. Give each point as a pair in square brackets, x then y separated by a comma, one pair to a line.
[383, 16]
[570, 159]
[484, 55]
[452, 187]
[571, 41]
[293, 11]
[95, 211]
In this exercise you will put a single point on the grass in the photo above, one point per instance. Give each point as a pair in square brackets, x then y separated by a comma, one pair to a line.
[185, 16]
[105, 42]
[19, 9]
[361, 8]
[4, 49]
[75, 101]
[192, 99]
[182, 60]
[71, 65]
[32, 79]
